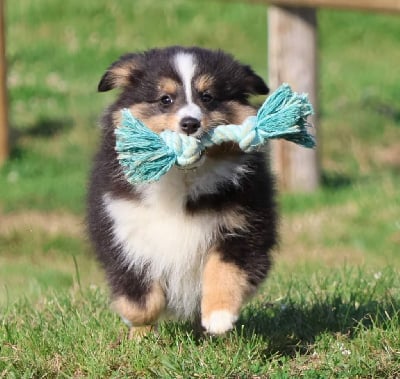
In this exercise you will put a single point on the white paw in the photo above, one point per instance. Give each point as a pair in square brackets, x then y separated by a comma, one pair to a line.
[219, 322]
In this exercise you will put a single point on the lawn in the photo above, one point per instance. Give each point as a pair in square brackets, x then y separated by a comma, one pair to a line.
[331, 305]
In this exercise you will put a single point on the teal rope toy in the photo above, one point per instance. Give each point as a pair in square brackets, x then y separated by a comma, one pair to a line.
[146, 156]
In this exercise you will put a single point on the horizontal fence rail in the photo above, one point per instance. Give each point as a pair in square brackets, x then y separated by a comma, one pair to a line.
[388, 6]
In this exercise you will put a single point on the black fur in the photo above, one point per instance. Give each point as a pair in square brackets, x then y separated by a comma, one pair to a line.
[249, 248]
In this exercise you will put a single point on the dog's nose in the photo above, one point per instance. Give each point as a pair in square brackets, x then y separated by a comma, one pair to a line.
[189, 125]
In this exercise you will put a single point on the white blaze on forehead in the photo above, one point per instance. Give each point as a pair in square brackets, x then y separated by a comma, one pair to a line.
[185, 65]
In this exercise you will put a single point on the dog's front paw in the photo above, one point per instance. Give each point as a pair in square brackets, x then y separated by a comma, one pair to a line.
[219, 322]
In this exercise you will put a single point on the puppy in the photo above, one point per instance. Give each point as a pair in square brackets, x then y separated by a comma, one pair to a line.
[196, 243]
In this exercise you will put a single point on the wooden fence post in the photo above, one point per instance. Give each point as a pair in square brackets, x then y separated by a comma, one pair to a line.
[4, 147]
[292, 58]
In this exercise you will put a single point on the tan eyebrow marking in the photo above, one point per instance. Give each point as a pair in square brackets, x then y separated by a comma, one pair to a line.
[167, 85]
[204, 82]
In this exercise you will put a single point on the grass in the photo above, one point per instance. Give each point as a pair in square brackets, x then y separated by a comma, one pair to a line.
[331, 305]
[344, 324]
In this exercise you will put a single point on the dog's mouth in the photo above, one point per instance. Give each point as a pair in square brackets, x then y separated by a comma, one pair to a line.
[194, 165]
[220, 151]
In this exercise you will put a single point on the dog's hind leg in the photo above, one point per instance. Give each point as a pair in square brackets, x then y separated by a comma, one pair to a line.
[141, 314]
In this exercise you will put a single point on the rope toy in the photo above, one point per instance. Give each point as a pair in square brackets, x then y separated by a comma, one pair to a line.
[146, 156]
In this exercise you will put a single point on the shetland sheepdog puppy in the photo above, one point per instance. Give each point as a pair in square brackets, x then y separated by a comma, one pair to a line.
[196, 244]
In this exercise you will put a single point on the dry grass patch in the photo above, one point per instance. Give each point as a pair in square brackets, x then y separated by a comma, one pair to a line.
[302, 237]
[52, 223]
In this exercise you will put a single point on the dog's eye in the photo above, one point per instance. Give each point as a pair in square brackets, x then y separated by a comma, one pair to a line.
[166, 100]
[205, 97]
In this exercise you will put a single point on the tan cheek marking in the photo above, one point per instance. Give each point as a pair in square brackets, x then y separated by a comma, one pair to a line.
[141, 315]
[116, 119]
[204, 82]
[225, 286]
[138, 110]
[236, 115]
[158, 123]
[214, 118]
[240, 112]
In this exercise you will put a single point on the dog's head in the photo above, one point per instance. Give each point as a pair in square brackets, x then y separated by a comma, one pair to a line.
[188, 90]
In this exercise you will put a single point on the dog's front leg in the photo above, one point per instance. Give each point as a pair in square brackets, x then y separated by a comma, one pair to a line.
[225, 286]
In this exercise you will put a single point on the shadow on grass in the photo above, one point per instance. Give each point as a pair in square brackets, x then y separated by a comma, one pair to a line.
[383, 108]
[43, 128]
[335, 180]
[47, 128]
[291, 328]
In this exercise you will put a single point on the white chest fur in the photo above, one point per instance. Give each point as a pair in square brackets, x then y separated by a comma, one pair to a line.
[157, 232]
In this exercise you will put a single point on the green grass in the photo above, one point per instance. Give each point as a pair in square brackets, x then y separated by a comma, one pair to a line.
[330, 307]
[344, 324]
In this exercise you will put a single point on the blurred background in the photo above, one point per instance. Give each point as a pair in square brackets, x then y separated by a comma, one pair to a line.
[57, 52]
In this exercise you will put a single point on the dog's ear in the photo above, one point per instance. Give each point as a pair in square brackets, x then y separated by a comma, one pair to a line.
[254, 84]
[121, 73]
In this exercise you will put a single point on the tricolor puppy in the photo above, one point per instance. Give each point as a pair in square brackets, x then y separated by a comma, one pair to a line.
[196, 243]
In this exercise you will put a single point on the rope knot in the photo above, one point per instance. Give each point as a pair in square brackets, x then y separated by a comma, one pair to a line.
[244, 135]
[187, 149]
